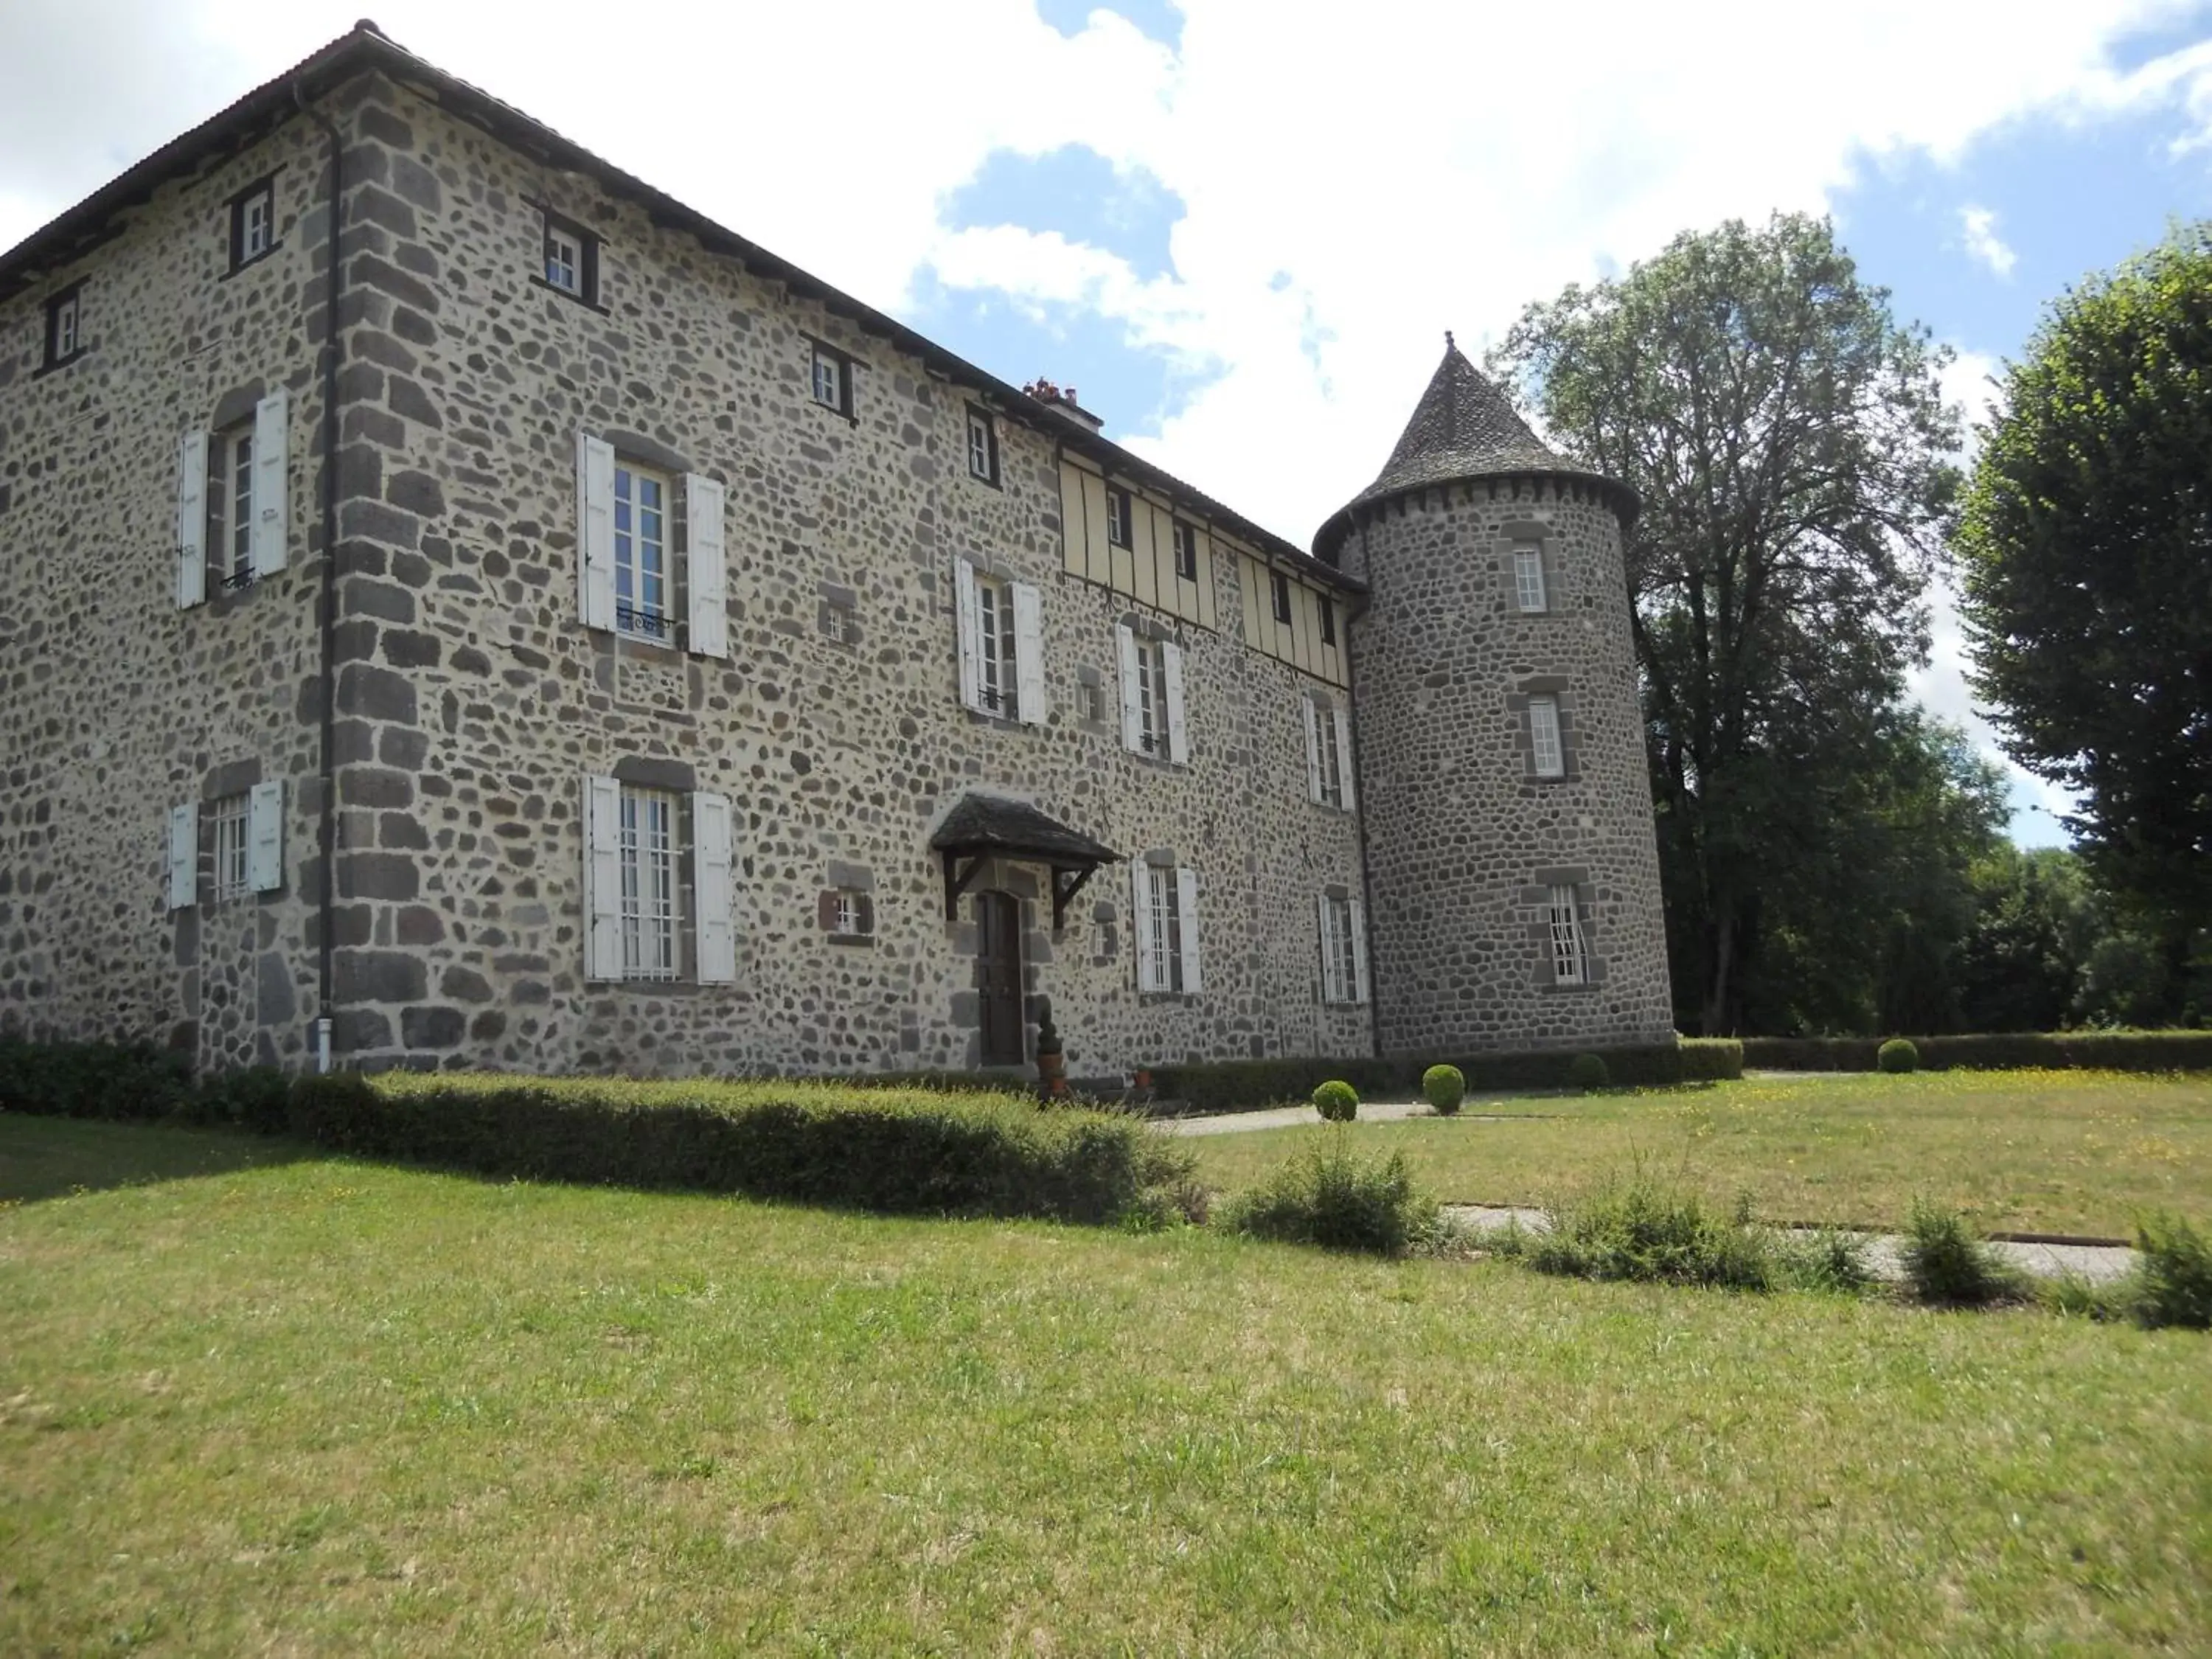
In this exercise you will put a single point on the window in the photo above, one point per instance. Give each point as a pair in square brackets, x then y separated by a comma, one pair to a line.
[1186, 551]
[647, 851]
[1161, 946]
[1328, 619]
[848, 912]
[1118, 518]
[1344, 951]
[642, 562]
[831, 377]
[571, 260]
[995, 686]
[252, 223]
[1281, 585]
[1091, 703]
[1001, 627]
[1331, 758]
[1151, 697]
[838, 623]
[1544, 747]
[1570, 961]
[65, 328]
[982, 448]
[1328, 753]
[230, 841]
[230, 506]
[1528, 577]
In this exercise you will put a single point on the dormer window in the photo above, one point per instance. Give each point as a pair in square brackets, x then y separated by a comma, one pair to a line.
[571, 260]
[1117, 518]
[65, 327]
[252, 223]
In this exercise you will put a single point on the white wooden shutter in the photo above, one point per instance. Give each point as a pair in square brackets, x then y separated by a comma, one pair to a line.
[1178, 735]
[1187, 900]
[191, 519]
[270, 536]
[595, 529]
[709, 571]
[603, 956]
[1143, 923]
[184, 856]
[264, 838]
[969, 610]
[1344, 767]
[1132, 693]
[1029, 655]
[1331, 991]
[1313, 748]
[713, 888]
[1358, 951]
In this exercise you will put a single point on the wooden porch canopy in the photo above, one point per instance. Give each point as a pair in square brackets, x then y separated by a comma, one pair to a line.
[982, 827]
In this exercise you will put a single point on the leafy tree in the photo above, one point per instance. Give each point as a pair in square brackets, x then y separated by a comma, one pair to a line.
[2037, 923]
[2086, 552]
[1790, 442]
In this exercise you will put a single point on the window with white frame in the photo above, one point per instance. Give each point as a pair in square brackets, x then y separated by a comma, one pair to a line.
[1118, 518]
[1547, 754]
[838, 622]
[1186, 551]
[65, 327]
[1569, 958]
[229, 822]
[1528, 577]
[1090, 701]
[1151, 697]
[1165, 899]
[1344, 950]
[830, 377]
[252, 223]
[1001, 638]
[230, 506]
[641, 552]
[571, 260]
[647, 850]
[1328, 753]
[982, 448]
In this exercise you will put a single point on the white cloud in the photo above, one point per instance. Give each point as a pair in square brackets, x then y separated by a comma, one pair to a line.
[1979, 227]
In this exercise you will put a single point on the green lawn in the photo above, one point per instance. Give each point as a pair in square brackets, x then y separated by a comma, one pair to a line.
[309, 1405]
[2047, 1152]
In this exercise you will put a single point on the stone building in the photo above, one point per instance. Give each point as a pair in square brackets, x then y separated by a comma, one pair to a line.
[460, 607]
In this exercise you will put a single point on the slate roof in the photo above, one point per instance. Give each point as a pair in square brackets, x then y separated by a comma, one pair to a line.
[102, 215]
[991, 824]
[1462, 428]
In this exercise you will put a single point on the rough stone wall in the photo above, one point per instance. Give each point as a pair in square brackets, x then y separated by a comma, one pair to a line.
[473, 702]
[114, 703]
[1463, 839]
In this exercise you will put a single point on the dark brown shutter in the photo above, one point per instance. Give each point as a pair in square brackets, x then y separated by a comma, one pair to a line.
[826, 911]
[864, 910]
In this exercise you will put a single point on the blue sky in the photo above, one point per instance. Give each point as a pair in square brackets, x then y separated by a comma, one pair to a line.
[1242, 227]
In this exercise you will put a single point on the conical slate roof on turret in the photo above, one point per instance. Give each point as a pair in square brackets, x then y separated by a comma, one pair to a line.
[1463, 428]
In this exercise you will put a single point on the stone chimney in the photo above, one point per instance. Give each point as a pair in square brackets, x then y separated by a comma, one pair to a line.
[1061, 399]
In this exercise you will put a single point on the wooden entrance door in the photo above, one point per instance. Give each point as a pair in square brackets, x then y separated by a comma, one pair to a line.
[999, 977]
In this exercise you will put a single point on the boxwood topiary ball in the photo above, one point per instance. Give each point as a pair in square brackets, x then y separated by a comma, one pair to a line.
[1445, 1087]
[1898, 1055]
[1337, 1102]
[1588, 1072]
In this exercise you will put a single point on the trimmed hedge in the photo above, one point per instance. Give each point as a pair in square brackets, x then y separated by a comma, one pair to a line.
[2110, 1051]
[1249, 1084]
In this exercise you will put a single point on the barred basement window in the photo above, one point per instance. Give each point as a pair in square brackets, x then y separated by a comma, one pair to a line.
[230, 867]
[642, 549]
[648, 853]
[1528, 578]
[1569, 958]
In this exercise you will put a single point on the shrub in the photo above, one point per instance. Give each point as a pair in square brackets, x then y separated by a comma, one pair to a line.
[914, 1152]
[257, 1098]
[1445, 1086]
[1947, 1264]
[1336, 1101]
[120, 1080]
[1247, 1085]
[1588, 1072]
[1330, 1197]
[1898, 1055]
[2171, 1284]
[2116, 1051]
[1636, 1229]
[1825, 1258]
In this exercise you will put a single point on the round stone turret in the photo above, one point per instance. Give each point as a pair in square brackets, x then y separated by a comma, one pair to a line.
[1514, 876]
